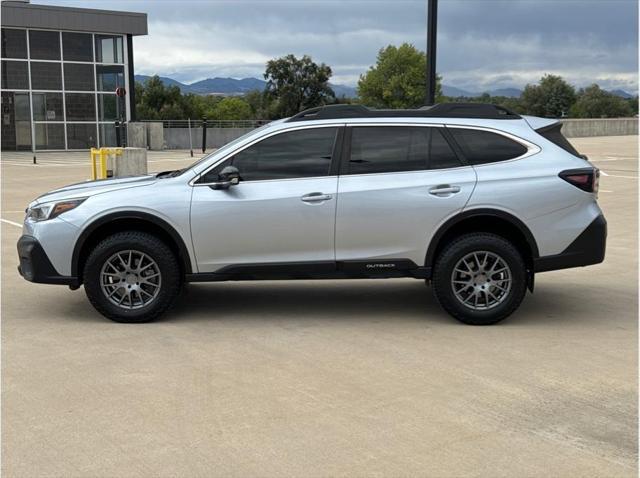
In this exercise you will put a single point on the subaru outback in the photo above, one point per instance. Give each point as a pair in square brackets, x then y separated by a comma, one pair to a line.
[472, 198]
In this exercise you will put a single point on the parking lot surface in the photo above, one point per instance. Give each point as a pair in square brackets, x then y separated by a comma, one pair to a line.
[323, 378]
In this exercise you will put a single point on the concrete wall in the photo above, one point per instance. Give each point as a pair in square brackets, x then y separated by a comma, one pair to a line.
[578, 128]
[136, 135]
[155, 136]
[178, 138]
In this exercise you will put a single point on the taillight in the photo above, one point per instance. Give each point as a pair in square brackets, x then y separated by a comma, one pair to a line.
[585, 179]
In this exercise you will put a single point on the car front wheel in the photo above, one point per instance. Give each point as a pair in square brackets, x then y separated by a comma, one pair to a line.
[132, 277]
[480, 278]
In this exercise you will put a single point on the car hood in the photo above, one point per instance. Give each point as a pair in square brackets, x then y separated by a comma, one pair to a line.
[91, 188]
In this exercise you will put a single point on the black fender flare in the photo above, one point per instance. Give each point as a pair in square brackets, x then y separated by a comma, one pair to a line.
[136, 215]
[451, 222]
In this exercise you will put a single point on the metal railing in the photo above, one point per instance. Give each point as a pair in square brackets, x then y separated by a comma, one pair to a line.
[197, 123]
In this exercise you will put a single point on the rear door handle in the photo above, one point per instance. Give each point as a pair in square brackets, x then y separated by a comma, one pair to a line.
[444, 189]
[316, 197]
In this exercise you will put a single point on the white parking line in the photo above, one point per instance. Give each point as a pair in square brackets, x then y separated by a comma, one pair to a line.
[12, 223]
[616, 176]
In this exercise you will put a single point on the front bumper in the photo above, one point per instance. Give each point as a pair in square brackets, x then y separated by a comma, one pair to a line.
[35, 266]
[587, 249]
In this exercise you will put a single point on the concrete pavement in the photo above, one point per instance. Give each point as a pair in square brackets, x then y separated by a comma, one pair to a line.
[324, 378]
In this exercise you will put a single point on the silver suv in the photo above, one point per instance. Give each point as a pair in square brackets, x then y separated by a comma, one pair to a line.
[472, 198]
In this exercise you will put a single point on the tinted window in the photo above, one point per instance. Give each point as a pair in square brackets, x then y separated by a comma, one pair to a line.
[77, 46]
[298, 154]
[481, 147]
[80, 106]
[46, 76]
[81, 136]
[109, 49]
[383, 149]
[47, 107]
[109, 77]
[49, 136]
[15, 74]
[78, 77]
[441, 155]
[44, 45]
[14, 43]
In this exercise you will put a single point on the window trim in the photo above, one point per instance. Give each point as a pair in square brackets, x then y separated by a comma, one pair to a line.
[532, 148]
[335, 156]
[346, 152]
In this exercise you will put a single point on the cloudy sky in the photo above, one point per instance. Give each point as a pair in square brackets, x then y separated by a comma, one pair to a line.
[482, 44]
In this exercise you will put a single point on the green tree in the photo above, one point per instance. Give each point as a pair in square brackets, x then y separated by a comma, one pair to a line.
[232, 108]
[297, 84]
[397, 80]
[594, 102]
[551, 97]
[154, 100]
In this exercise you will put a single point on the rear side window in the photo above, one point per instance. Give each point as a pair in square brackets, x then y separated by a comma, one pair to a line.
[481, 147]
[384, 149]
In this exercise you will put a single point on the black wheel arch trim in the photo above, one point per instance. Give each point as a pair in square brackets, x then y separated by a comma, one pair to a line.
[464, 215]
[142, 216]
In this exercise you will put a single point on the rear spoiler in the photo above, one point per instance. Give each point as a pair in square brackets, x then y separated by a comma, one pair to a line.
[550, 129]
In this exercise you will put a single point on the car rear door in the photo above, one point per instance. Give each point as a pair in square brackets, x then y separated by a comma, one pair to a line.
[282, 210]
[398, 184]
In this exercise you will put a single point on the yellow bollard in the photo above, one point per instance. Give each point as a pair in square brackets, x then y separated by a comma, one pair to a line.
[102, 156]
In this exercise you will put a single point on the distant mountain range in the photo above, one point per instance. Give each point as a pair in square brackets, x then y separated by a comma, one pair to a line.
[232, 86]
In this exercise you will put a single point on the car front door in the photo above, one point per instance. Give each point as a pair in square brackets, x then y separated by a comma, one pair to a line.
[397, 185]
[281, 212]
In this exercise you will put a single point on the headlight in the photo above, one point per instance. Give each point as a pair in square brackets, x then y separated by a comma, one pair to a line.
[42, 212]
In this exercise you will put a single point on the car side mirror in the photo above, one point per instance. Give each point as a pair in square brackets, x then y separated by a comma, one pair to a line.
[229, 176]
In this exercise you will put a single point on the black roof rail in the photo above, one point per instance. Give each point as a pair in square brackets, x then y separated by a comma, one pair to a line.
[441, 110]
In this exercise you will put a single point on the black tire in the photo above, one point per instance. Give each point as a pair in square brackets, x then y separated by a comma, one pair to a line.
[158, 251]
[447, 260]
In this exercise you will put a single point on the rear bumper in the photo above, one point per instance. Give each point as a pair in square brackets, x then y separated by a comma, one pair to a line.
[587, 249]
[35, 266]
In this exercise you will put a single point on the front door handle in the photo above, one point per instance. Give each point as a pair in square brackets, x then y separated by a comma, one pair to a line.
[316, 197]
[444, 189]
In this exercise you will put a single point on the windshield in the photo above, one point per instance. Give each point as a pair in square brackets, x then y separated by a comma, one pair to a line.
[226, 147]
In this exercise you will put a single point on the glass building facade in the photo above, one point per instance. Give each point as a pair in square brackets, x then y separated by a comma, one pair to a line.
[58, 88]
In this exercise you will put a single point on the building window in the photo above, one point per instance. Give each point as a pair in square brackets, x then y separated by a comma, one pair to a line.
[44, 45]
[78, 77]
[109, 77]
[49, 135]
[110, 107]
[15, 75]
[107, 135]
[80, 106]
[47, 107]
[46, 76]
[109, 49]
[77, 47]
[81, 136]
[14, 43]
[16, 121]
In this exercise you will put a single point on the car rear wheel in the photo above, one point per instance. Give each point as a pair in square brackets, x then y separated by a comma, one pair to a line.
[132, 277]
[480, 278]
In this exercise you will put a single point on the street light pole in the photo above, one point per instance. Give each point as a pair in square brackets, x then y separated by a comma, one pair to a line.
[432, 37]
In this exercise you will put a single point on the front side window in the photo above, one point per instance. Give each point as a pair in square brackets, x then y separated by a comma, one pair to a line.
[297, 154]
[385, 149]
[481, 147]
